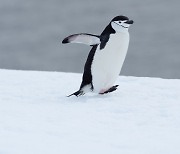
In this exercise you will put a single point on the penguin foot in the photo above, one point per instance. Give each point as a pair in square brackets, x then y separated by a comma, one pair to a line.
[113, 88]
[77, 93]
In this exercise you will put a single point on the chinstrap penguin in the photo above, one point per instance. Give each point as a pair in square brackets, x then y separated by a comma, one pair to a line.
[106, 57]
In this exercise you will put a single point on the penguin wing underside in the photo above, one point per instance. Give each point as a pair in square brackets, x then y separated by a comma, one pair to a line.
[84, 38]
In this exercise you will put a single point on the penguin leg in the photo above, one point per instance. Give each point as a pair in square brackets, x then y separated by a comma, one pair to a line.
[113, 88]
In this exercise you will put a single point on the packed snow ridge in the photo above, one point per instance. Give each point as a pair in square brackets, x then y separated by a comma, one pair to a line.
[36, 117]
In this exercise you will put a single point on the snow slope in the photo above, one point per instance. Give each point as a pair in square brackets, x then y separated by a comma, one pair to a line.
[141, 117]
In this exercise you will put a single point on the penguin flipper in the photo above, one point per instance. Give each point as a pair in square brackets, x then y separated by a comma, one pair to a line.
[77, 93]
[84, 38]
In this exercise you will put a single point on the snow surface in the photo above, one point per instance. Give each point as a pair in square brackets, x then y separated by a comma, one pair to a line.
[36, 117]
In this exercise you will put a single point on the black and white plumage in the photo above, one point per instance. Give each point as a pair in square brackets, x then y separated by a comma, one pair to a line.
[106, 57]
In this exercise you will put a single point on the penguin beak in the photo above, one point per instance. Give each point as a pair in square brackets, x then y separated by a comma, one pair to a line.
[129, 22]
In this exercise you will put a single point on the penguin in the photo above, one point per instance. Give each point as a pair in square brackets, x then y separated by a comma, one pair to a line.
[105, 58]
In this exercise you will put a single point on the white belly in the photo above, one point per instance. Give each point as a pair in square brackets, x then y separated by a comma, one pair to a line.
[107, 63]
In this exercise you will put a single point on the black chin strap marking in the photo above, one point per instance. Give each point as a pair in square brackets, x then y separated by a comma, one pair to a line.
[124, 26]
[120, 25]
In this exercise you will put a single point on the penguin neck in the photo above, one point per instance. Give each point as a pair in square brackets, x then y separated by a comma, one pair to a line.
[109, 30]
[122, 30]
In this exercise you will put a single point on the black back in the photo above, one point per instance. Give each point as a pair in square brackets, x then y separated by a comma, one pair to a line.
[87, 76]
[104, 37]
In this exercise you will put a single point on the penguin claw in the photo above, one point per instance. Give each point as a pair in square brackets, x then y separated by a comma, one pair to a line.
[77, 93]
[113, 88]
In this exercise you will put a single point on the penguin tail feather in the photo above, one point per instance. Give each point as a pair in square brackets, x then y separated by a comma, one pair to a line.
[77, 93]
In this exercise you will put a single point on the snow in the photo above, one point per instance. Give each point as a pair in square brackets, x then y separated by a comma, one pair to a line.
[141, 117]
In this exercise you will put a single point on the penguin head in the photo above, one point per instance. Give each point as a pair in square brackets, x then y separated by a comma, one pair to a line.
[121, 23]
